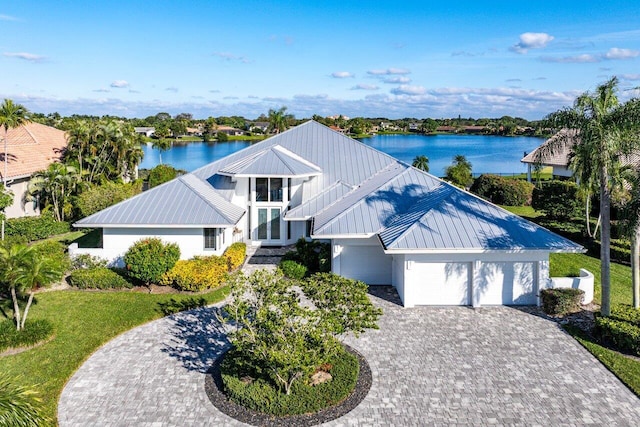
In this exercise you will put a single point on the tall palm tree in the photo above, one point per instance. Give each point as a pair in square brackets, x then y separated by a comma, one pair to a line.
[279, 120]
[605, 130]
[11, 116]
[631, 214]
[421, 162]
[55, 185]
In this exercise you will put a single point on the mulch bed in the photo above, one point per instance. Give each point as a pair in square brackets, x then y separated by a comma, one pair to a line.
[214, 389]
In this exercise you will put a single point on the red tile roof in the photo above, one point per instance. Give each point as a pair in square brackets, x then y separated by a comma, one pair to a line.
[31, 148]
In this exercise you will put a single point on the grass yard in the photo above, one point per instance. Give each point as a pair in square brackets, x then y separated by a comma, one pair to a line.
[83, 321]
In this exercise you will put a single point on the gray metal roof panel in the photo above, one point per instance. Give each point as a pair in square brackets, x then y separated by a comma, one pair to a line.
[180, 202]
[319, 202]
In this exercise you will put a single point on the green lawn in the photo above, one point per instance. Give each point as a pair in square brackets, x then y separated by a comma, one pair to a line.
[83, 321]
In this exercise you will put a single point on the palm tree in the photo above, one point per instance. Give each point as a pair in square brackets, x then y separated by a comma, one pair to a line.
[421, 162]
[605, 129]
[278, 120]
[55, 185]
[631, 214]
[11, 116]
[39, 271]
[459, 173]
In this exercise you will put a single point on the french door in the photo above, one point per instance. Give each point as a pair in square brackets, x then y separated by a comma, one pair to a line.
[269, 229]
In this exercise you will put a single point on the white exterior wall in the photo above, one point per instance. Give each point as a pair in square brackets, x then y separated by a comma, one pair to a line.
[584, 282]
[440, 279]
[116, 242]
[361, 259]
[397, 275]
[19, 208]
[562, 171]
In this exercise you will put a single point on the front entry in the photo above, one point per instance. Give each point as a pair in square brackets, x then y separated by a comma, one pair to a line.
[269, 230]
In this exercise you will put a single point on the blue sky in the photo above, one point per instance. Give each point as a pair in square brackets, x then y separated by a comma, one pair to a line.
[356, 58]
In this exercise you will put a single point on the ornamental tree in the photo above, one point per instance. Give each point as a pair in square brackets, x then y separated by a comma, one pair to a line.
[287, 329]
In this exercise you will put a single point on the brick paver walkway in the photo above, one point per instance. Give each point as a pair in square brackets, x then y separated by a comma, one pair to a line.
[431, 366]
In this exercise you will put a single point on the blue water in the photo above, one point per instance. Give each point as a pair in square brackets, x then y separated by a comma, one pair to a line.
[495, 154]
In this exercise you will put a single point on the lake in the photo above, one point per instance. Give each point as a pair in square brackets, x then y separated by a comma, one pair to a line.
[494, 154]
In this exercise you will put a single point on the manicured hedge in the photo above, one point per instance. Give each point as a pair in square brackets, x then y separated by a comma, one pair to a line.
[260, 395]
[558, 200]
[34, 331]
[36, 227]
[561, 301]
[620, 334]
[235, 254]
[98, 278]
[292, 269]
[149, 259]
[197, 274]
[503, 191]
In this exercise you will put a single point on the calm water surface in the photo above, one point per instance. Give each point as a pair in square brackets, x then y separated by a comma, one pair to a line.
[495, 154]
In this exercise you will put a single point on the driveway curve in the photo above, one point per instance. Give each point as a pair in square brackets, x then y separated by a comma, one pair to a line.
[430, 366]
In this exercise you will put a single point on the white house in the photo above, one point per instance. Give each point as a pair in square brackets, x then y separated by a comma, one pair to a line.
[30, 148]
[147, 131]
[387, 222]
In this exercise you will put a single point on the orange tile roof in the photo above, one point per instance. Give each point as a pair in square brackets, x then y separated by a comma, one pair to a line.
[31, 148]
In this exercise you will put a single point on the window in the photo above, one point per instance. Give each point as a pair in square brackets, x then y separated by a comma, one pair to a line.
[210, 238]
[269, 189]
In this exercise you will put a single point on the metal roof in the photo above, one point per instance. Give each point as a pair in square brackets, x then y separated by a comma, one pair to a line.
[319, 202]
[185, 201]
[273, 161]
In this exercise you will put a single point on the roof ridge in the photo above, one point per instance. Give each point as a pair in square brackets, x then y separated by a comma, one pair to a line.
[286, 152]
[182, 179]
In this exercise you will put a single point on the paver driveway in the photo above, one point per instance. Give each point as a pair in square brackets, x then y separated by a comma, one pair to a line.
[431, 366]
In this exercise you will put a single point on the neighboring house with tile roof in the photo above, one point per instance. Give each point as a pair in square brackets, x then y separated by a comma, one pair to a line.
[387, 222]
[559, 160]
[30, 148]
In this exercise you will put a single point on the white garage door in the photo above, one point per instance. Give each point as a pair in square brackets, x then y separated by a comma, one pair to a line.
[507, 283]
[367, 263]
[439, 283]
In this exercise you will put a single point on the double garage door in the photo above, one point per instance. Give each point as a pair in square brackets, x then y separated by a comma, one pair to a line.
[450, 283]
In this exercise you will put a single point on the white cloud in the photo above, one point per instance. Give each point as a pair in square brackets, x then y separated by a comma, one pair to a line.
[120, 84]
[214, 91]
[8, 18]
[342, 75]
[584, 58]
[531, 41]
[513, 80]
[408, 90]
[102, 90]
[388, 71]
[630, 76]
[363, 86]
[617, 53]
[172, 89]
[231, 57]
[230, 97]
[31, 57]
[397, 80]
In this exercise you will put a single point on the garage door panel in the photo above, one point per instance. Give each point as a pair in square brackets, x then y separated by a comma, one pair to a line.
[440, 283]
[507, 283]
[366, 263]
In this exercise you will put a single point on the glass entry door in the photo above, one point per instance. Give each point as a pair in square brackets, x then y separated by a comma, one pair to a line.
[269, 225]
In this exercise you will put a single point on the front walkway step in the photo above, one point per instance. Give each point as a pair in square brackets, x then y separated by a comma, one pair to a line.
[260, 257]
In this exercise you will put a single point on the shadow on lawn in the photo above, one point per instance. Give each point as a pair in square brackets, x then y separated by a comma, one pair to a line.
[198, 338]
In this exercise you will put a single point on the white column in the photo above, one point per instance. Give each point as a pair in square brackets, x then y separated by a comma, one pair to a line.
[476, 282]
[336, 250]
[543, 281]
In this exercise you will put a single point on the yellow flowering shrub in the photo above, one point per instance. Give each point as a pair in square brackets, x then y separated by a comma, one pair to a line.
[235, 254]
[197, 274]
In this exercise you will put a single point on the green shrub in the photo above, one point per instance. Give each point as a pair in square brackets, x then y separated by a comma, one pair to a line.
[561, 301]
[260, 395]
[222, 137]
[625, 313]
[99, 197]
[34, 332]
[161, 174]
[98, 278]
[292, 269]
[197, 274]
[84, 261]
[235, 254]
[558, 200]
[36, 227]
[503, 191]
[149, 259]
[19, 406]
[174, 306]
[314, 255]
[55, 251]
[620, 334]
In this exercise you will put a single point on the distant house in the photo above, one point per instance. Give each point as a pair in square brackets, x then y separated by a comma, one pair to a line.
[387, 222]
[474, 129]
[197, 131]
[560, 159]
[262, 127]
[414, 127]
[446, 129]
[231, 131]
[146, 131]
[338, 129]
[30, 148]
